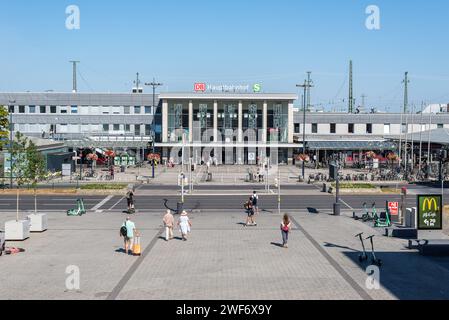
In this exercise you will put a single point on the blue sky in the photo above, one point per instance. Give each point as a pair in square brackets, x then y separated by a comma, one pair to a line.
[230, 42]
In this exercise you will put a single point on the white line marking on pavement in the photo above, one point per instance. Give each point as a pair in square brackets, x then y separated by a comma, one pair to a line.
[98, 206]
[342, 201]
[111, 208]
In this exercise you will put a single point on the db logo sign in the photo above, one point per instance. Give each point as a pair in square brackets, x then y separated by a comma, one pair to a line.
[200, 87]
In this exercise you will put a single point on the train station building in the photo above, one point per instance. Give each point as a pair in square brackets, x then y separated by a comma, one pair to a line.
[231, 127]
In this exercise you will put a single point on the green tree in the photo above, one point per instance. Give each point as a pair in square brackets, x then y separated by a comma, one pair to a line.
[4, 126]
[35, 169]
[19, 163]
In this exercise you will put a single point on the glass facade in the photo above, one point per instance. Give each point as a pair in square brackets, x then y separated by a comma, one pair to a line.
[277, 122]
[228, 120]
[203, 120]
[178, 119]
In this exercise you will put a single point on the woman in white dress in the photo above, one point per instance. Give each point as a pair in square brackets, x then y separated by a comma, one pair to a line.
[184, 225]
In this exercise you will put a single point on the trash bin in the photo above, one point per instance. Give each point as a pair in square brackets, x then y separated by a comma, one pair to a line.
[324, 188]
[209, 177]
[179, 207]
[122, 169]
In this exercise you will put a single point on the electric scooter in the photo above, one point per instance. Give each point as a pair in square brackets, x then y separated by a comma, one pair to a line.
[383, 223]
[365, 214]
[374, 260]
[362, 256]
[370, 216]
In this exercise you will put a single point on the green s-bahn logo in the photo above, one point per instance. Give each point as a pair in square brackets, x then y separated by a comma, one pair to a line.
[257, 88]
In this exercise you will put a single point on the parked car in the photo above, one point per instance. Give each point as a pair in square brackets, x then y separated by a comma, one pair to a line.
[2, 242]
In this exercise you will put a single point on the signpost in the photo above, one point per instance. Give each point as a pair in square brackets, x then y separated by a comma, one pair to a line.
[430, 212]
[393, 210]
[66, 169]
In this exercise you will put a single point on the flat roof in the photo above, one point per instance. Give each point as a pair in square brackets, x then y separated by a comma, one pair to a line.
[436, 136]
[228, 96]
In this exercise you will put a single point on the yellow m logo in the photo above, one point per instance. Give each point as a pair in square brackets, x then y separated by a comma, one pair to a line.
[430, 204]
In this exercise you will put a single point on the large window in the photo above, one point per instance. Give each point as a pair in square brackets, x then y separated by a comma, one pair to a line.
[147, 130]
[137, 130]
[148, 110]
[178, 119]
[116, 127]
[314, 127]
[106, 128]
[52, 109]
[297, 128]
[369, 128]
[203, 121]
[21, 109]
[333, 128]
[43, 109]
[278, 122]
[137, 110]
[351, 128]
[74, 109]
[127, 109]
[32, 109]
[404, 128]
[228, 120]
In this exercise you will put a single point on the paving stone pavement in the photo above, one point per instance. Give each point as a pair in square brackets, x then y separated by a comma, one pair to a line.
[221, 260]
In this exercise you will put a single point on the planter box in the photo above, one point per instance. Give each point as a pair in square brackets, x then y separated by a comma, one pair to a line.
[17, 230]
[39, 222]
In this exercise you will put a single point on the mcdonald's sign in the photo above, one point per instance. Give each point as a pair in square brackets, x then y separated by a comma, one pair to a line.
[430, 212]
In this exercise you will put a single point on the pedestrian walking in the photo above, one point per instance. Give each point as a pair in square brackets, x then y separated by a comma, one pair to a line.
[184, 225]
[250, 213]
[169, 223]
[130, 201]
[286, 226]
[255, 201]
[127, 231]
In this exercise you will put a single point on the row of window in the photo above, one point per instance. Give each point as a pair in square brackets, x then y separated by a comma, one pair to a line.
[81, 109]
[368, 128]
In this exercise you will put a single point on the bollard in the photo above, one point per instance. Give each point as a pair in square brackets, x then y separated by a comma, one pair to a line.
[179, 207]
[324, 188]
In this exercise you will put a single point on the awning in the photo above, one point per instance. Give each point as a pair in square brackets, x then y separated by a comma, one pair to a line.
[351, 145]
[436, 136]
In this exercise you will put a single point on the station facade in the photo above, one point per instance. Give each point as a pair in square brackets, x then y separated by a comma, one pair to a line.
[229, 127]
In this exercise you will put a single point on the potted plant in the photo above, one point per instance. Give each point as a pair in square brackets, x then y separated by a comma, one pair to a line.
[36, 171]
[18, 230]
[303, 157]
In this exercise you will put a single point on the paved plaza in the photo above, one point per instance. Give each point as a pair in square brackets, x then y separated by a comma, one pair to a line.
[223, 174]
[221, 260]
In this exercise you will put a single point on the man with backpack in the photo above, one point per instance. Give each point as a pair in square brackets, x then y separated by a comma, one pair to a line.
[255, 200]
[127, 232]
[250, 212]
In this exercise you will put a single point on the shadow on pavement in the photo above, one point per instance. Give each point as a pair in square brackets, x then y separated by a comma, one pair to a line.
[277, 244]
[409, 276]
[313, 211]
[331, 245]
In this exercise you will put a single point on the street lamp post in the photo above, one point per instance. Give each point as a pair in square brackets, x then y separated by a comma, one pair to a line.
[306, 86]
[153, 84]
